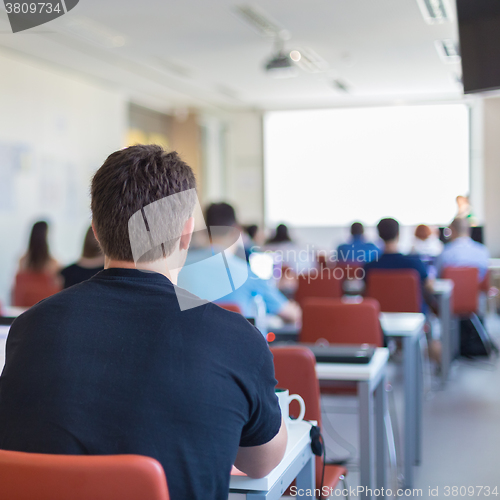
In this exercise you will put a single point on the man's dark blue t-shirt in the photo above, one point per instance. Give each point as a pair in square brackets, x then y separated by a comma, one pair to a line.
[398, 261]
[112, 366]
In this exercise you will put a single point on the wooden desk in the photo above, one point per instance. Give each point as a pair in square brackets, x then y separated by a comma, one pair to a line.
[298, 463]
[370, 381]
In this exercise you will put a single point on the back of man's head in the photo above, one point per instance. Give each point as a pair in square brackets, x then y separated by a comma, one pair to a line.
[460, 227]
[388, 229]
[128, 181]
[220, 214]
[357, 229]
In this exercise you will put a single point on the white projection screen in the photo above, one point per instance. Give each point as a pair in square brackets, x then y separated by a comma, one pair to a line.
[332, 167]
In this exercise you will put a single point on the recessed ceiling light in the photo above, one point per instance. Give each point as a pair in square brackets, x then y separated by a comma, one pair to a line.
[261, 22]
[295, 55]
[435, 11]
[448, 51]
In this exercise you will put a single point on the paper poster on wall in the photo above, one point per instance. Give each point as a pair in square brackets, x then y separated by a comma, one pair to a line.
[52, 184]
[14, 159]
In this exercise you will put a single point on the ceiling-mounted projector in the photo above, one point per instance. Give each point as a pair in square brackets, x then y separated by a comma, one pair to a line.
[281, 66]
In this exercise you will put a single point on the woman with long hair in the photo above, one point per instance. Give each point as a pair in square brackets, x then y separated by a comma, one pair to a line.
[38, 258]
[90, 263]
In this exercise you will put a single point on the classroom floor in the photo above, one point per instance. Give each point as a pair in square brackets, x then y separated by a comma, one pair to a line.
[461, 429]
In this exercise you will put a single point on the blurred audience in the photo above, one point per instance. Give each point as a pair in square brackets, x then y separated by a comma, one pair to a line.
[357, 250]
[463, 251]
[37, 258]
[223, 217]
[90, 263]
[426, 243]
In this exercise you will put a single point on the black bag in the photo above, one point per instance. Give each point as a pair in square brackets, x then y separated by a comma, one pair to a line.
[474, 340]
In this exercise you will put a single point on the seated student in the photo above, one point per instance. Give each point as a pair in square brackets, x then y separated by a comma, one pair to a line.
[90, 263]
[357, 250]
[38, 258]
[222, 215]
[392, 258]
[293, 254]
[113, 366]
[426, 243]
[463, 251]
[388, 230]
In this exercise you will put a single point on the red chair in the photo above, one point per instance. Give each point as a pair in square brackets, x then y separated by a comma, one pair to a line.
[295, 370]
[31, 287]
[396, 290]
[231, 307]
[318, 283]
[339, 322]
[466, 289]
[466, 298]
[36, 476]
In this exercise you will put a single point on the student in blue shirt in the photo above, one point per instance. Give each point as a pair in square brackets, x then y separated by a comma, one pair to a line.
[358, 249]
[221, 276]
[463, 251]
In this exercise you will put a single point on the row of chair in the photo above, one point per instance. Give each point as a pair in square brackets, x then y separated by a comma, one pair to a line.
[397, 290]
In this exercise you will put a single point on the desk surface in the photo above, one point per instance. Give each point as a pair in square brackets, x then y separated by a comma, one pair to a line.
[298, 438]
[494, 264]
[402, 324]
[442, 287]
[353, 371]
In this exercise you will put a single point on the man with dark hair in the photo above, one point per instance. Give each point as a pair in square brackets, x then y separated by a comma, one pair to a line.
[113, 366]
[358, 250]
[220, 214]
[222, 225]
[392, 258]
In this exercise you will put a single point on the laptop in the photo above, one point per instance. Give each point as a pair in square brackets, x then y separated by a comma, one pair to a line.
[342, 353]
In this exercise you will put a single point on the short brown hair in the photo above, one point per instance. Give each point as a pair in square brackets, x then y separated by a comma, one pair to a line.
[128, 181]
[422, 232]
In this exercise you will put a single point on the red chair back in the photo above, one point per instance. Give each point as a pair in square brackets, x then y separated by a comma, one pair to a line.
[31, 287]
[231, 307]
[35, 476]
[341, 323]
[466, 290]
[318, 283]
[396, 290]
[295, 370]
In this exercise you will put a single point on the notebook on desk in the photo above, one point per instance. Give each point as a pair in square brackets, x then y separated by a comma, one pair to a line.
[356, 354]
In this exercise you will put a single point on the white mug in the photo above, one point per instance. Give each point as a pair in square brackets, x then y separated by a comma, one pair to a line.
[284, 399]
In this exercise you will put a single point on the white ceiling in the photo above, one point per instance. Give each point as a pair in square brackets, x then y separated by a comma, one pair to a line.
[198, 53]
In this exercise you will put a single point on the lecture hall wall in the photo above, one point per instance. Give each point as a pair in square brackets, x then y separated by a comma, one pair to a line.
[56, 129]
